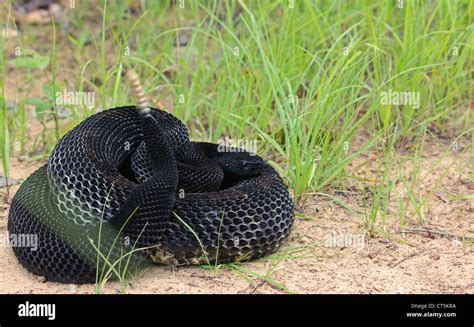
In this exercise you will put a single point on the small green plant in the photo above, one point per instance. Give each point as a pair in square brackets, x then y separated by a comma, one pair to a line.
[4, 132]
[111, 263]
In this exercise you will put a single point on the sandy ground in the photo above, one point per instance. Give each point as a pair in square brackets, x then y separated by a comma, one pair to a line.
[329, 250]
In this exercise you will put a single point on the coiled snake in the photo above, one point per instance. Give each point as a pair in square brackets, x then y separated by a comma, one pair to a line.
[123, 180]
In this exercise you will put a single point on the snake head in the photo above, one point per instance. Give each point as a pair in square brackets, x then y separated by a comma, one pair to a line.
[236, 163]
[243, 164]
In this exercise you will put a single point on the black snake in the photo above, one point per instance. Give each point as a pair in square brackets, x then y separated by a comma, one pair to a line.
[138, 176]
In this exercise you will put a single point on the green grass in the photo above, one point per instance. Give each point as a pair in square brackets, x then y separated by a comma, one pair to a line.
[4, 131]
[304, 81]
[116, 260]
[292, 86]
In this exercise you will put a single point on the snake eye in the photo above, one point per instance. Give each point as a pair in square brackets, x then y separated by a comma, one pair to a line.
[247, 165]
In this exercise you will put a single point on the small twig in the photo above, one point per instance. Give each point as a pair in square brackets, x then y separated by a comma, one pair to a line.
[259, 285]
[440, 197]
[435, 232]
[407, 257]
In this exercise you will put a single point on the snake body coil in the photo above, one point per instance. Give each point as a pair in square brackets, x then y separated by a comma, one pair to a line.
[121, 181]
